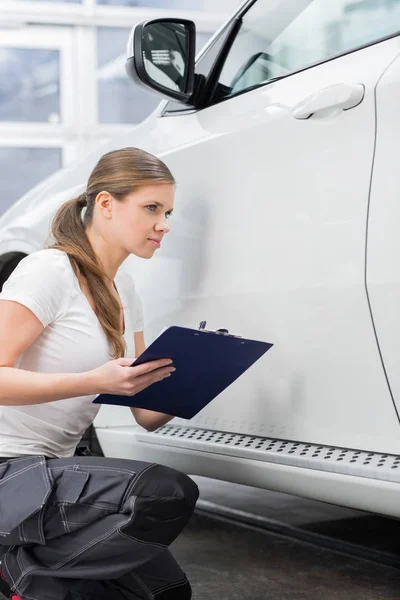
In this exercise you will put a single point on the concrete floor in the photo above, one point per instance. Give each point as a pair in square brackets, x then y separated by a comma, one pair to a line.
[233, 562]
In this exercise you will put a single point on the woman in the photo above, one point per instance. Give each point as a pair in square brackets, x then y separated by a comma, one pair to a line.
[86, 527]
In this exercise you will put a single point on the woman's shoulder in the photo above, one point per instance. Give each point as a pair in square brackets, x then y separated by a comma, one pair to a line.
[40, 281]
[51, 255]
[45, 263]
[46, 255]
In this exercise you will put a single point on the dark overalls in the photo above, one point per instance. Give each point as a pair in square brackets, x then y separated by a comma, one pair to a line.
[85, 528]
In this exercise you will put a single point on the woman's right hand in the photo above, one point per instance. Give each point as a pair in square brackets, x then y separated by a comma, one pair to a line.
[118, 377]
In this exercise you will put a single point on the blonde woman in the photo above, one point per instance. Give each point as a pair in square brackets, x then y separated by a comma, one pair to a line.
[70, 324]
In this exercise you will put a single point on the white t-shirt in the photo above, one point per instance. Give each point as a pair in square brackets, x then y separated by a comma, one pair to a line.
[72, 342]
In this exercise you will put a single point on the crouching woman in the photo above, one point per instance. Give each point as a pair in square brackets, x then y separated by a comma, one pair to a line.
[84, 527]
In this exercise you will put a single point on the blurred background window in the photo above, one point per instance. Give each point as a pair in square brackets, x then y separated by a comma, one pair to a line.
[32, 92]
[22, 168]
[118, 100]
[58, 1]
[181, 4]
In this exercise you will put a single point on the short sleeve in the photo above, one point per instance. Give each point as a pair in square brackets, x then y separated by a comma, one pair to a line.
[39, 283]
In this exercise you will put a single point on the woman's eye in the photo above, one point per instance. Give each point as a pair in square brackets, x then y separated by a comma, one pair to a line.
[153, 208]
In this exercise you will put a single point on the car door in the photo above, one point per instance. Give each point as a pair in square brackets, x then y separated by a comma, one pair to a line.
[284, 153]
[383, 241]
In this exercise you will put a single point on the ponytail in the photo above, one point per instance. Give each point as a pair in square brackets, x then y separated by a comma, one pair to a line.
[69, 231]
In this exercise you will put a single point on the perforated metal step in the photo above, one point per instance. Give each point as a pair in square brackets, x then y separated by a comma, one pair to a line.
[327, 458]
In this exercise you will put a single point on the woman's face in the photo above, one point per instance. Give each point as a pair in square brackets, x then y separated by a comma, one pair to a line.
[139, 222]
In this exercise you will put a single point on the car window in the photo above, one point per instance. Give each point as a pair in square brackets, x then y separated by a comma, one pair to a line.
[276, 39]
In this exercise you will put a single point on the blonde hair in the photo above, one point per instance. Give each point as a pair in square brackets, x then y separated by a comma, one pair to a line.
[119, 172]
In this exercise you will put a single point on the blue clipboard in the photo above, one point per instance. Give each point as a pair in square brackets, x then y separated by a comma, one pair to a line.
[206, 363]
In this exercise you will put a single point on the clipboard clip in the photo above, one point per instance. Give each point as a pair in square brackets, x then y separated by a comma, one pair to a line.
[202, 327]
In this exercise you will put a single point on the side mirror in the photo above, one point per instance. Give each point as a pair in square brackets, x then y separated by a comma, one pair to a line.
[161, 55]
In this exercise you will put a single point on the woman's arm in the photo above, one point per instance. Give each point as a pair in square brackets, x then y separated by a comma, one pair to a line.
[19, 387]
[148, 419]
[19, 328]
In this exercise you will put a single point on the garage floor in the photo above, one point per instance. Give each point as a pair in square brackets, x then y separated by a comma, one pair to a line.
[225, 561]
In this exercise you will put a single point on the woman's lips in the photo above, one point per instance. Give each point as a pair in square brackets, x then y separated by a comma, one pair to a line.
[155, 242]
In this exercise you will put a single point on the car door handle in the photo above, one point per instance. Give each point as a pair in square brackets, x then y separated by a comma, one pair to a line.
[330, 100]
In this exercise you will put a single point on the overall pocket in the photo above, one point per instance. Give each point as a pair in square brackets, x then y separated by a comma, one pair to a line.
[87, 494]
[25, 486]
[69, 485]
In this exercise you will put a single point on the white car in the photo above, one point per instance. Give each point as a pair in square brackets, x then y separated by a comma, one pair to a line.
[284, 138]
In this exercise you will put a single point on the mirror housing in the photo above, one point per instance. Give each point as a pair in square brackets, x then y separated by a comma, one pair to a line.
[161, 56]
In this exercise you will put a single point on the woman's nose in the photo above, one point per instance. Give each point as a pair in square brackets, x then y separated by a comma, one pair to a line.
[162, 226]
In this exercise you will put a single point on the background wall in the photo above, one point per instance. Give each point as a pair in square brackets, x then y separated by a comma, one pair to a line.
[63, 86]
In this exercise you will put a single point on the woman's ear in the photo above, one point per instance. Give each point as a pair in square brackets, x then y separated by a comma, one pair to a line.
[104, 202]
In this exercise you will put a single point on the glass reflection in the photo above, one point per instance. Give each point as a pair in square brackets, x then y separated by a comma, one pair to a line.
[165, 54]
